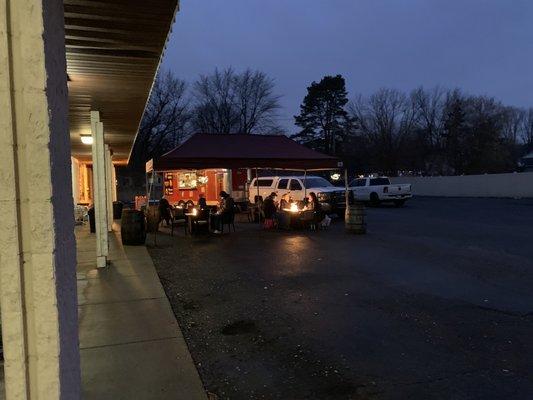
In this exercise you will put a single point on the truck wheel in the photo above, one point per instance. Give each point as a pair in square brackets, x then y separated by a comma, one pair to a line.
[399, 203]
[374, 199]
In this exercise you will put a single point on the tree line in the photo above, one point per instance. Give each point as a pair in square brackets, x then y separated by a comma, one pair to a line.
[427, 131]
[224, 101]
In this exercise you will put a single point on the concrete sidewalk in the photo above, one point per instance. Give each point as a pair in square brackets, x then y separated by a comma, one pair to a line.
[131, 345]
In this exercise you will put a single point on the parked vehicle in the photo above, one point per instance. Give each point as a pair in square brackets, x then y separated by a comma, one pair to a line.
[379, 189]
[331, 197]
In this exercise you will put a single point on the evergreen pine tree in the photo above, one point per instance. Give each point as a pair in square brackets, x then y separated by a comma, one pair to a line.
[323, 119]
[455, 134]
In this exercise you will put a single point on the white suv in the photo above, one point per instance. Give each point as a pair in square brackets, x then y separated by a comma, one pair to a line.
[332, 197]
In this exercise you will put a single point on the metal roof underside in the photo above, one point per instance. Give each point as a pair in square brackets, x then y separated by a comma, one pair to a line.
[113, 50]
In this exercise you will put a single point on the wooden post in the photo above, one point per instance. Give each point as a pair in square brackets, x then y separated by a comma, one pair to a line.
[346, 193]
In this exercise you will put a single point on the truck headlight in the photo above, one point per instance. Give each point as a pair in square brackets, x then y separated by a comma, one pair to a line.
[323, 196]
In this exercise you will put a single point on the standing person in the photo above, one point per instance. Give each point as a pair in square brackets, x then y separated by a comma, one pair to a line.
[225, 213]
[165, 211]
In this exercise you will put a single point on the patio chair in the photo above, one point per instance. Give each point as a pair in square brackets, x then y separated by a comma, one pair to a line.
[308, 220]
[255, 210]
[229, 220]
[269, 223]
[178, 219]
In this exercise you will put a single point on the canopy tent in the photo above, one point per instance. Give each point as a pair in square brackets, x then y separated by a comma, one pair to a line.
[234, 151]
[204, 151]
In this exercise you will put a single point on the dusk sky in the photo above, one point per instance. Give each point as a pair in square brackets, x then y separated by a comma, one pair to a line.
[480, 46]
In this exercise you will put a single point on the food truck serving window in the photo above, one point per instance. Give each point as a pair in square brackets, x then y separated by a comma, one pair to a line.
[187, 180]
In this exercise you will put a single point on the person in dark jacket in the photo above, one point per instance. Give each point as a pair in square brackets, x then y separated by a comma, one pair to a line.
[202, 203]
[283, 215]
[227, 204]
[225, 212]
[165, 211]
[314, 204]
[269, 206]
[284, 202]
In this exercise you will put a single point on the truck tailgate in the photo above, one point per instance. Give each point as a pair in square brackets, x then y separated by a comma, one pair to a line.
[399, 189]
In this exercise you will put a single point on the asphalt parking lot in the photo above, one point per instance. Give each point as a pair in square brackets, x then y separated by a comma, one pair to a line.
[435, 302]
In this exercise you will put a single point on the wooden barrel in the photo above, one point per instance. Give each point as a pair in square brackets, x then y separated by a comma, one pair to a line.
[355, 218]
[152, 219]
[133, 227]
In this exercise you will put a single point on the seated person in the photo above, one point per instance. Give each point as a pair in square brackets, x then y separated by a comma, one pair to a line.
[284, 202]
[269, 206]
[165, 211]
[202, 202]
[314, 204]
[225, 211]
[270, 210]
[284, 218]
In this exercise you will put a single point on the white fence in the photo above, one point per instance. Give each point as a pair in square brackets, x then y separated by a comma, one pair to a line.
[493, 185]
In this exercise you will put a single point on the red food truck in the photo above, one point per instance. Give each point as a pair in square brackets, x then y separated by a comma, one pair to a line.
[186, 186]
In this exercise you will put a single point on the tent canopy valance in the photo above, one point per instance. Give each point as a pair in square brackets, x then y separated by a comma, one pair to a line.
[203, 151]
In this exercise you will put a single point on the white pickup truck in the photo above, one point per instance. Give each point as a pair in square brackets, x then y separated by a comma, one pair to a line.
[331, 197]
[379, 189]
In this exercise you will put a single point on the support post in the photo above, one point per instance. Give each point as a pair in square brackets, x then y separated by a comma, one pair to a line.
[75, 180]
[37, 245]
[114, 195]
[257, 186]
[99, 197]
[109, 187]
[305, 184]
[228, 182]
[248, 182]
[346, 190]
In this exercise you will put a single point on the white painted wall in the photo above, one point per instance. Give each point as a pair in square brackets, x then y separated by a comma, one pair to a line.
[493, 185]
[38, 294]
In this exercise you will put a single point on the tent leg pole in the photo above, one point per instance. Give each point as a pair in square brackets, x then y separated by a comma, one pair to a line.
[257, 185]
[305, 184]
[347, 197]
[146, 184]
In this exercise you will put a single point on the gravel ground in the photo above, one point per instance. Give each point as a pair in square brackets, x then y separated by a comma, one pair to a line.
[435, 302]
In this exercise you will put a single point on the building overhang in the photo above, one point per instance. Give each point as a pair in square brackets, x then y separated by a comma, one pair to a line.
[113, 51]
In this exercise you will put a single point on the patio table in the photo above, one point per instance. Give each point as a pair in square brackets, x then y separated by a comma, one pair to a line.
[196, 218]
[293, 216]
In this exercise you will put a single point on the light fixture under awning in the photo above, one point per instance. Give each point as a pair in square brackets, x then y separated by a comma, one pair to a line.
[87, 139]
